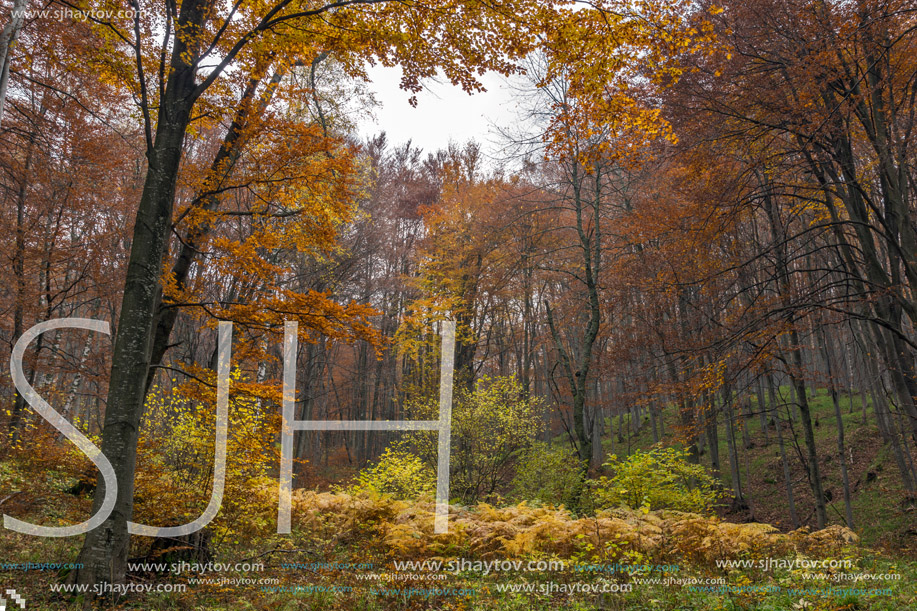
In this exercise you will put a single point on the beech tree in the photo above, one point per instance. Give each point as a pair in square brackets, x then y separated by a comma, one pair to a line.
[203, 50]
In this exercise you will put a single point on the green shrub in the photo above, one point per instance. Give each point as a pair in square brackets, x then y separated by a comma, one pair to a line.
[548, 474]
[492, 425]
[397, 473]
[661, 478]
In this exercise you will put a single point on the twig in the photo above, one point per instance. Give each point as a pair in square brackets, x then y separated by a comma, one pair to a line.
[9, 496]
[275, 551]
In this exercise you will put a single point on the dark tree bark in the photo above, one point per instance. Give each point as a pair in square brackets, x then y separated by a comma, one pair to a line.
[796, 366]
[787, 477]
[841, 448]
[104, 553]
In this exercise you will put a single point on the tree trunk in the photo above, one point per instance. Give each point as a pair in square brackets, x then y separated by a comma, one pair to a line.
[7, 41]
[762, 409]
[795, 373]
[713, 439]
[787, 477]
[841, 450]
[19, 274]
[652, 410]
[805, 416]
[598, 453]
[104, 553]
[739, 502]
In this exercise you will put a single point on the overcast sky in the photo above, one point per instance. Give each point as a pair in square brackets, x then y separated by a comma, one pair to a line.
[443, 112]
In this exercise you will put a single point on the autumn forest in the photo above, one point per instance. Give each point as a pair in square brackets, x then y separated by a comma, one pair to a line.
[671, 325]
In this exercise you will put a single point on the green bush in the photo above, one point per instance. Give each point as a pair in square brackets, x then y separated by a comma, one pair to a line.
[492, 425]
[661, 478]
[548, 474]
[397, 473]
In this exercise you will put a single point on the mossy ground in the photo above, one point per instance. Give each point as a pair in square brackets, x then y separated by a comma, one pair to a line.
[882, 516]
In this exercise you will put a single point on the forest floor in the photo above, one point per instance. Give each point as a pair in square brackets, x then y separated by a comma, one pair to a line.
[347, 552]
[883, 516]
[374, 554]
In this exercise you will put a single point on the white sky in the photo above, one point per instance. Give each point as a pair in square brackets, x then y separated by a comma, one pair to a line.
[443, 112]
